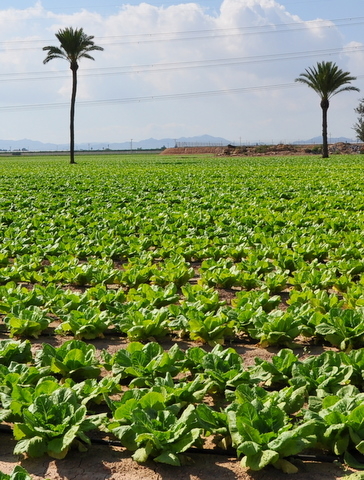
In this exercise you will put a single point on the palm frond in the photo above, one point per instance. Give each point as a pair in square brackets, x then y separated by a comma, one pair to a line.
[326, 79]
[74, 44]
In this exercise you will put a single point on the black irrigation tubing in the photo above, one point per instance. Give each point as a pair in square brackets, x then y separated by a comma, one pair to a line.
[117, 443]
[323, 458]
[122, 335]
[5, 429]
[45, 334]
[115, 333]
[210, 451]
[327, 458]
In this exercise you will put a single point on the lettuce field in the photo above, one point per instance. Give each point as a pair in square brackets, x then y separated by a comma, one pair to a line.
[203, 254]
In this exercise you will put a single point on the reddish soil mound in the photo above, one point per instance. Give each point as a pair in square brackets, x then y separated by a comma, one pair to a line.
[194, 150]
[262, 150]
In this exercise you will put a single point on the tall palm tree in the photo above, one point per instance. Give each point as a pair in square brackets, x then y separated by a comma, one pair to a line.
[326, 79]
[74, 45]
[359, 126]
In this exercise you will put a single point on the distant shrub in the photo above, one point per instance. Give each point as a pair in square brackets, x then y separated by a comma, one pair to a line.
[316, 150]
[261, 149]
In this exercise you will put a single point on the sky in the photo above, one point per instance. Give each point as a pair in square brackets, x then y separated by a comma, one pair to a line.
[174, 69]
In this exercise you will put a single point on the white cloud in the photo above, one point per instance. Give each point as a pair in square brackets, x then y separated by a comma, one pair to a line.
[147, 52]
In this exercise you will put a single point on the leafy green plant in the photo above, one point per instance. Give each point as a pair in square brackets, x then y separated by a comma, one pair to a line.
[340, 422]
[321, 374]
[94, 390]
[29, 322]
[64, 302]
[74, 359]
[209, 327]
[52, 423]
[313, 276]
[355, 358]
[152, 295]
[20, 387]
[276, 281]
[249, 280]
[173, 270]
[343, 328]
[319, 300]
[103, 298]
[201, 297]
[224, 367]
[150, 429]
[275, 328]
[343, 283]
[12, 295]
[353, 297]
[15, 351]
[143, 323]
[88, 323]
[253, 299]
[142, 362]
[139, 270]
[18, 473]
[275, 373]
[222, 273]
[181, 393]
[263, 434]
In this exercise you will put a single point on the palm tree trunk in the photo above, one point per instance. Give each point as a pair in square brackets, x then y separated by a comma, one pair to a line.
[325, 147]
[72, 113]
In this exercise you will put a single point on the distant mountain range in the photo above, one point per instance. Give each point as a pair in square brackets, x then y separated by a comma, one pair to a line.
[319, 140]
[151, 143]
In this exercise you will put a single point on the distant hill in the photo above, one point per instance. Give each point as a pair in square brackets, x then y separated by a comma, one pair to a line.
[318, 140]
[150, 143]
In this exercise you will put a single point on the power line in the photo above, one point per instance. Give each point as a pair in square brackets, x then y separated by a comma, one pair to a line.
[199, 34]
[346, 21]
[152, 98]
[160, 67]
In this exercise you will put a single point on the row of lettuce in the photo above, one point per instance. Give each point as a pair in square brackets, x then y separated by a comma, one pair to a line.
[270, 269]
[135, 236]
[213, 209]
[194, 311]
[133, 239]
[262, 268]
[160, 404]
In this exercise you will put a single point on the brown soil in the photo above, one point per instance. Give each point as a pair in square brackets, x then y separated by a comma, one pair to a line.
[106, 462]
[265, 150]
[114, 463]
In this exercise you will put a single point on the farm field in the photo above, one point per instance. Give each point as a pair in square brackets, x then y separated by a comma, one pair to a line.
[188, 310]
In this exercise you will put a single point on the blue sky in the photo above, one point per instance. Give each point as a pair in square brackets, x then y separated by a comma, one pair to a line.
[306, 9]
[175, 68]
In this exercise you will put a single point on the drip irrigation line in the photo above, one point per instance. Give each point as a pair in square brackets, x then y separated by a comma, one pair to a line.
[115, 333]
[6, 429]
[323, 458]
[210, 451]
